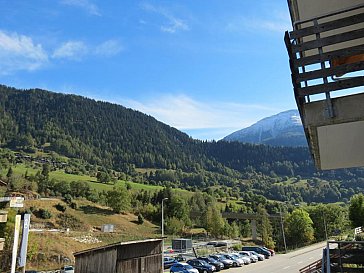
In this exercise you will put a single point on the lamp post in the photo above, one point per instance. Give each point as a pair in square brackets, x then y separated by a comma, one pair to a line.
[164, 199]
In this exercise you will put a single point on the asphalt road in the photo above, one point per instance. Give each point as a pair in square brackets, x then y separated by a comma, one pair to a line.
[284, 263]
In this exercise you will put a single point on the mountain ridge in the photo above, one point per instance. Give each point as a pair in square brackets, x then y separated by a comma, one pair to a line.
[282, 129]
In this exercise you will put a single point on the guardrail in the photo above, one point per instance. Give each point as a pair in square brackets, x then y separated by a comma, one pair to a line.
[347, 256]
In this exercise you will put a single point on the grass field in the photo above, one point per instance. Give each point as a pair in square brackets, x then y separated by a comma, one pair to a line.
[60, 175]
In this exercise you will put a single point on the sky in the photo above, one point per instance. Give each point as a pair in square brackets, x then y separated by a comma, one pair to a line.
[205, 67]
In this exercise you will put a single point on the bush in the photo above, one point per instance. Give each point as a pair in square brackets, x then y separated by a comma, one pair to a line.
[73, 205]
[140, 219]
[44, 213]
[69, 221]
[68, 198]
[236, 247]
[60, 207]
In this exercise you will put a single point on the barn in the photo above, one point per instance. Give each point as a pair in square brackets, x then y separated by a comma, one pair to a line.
[124, 257]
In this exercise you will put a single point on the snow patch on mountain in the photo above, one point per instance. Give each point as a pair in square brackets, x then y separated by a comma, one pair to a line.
[283, 129]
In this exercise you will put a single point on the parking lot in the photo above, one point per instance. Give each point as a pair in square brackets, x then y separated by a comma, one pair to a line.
[282, 263]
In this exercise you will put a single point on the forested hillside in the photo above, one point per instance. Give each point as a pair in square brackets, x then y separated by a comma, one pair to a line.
[121, 139]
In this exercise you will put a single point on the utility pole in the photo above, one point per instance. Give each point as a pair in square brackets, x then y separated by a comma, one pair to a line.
[283, 234]
[163, 233]
[323, 216]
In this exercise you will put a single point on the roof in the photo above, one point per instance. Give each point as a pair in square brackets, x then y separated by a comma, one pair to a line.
[116, 244]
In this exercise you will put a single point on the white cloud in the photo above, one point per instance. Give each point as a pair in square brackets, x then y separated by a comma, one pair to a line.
[197, 118]
[86, 5]
[173, 23]
[18, 52]
[108, 48]
[278, 24]
[73, 50]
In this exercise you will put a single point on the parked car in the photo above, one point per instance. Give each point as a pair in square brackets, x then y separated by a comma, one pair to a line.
[227, 262]
[202, 266]
[272, 252]
[217, 244]
[260, 256]
[168, 262]
[180, 258]
[67, 269]
[183, 268]
[253, 258]
[257, 249]
[245, 259]
[212, 261]
[236, 260]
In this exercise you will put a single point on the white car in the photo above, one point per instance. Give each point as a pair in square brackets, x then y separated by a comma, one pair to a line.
[246, 259]
[260, 256]
[252, 257]
[67, 269]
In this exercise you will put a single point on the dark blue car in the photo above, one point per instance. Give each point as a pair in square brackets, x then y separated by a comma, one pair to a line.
[212, 261]
[202, 266]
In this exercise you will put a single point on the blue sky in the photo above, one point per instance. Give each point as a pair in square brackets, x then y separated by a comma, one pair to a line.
[206, 67]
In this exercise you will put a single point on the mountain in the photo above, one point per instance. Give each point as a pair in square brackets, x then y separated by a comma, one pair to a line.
[112, 136]
[283, 129]
[101, 138]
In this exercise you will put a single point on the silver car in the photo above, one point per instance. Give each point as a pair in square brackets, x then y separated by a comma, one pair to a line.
[236, 259]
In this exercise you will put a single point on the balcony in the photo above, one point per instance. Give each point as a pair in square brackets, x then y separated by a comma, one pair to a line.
[326, 57]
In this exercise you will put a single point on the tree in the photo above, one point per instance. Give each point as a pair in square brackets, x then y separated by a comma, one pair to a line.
[9, 173]
[103, 177]
[356, 210]
[328, 218]
[45, 171]
[174, 226]
[177, 207]
[264, 227]
[118, 199]
[214, 221]
[299, 230]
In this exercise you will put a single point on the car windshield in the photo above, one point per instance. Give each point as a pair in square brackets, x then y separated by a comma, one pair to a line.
[68, 268]
[204, 263]
[211, 260]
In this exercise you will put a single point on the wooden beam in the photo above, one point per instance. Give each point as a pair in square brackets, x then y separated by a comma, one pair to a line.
[331, 86]
[331, 25]
[326, 41]
[331, 71]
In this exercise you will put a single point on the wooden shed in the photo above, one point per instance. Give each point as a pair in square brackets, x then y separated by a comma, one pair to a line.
[125, 257]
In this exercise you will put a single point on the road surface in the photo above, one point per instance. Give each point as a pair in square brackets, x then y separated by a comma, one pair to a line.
[284, 263]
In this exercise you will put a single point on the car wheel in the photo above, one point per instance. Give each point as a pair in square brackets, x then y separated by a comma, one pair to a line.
[204, 271]
[235, 264]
